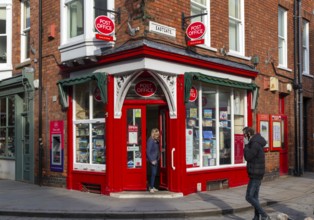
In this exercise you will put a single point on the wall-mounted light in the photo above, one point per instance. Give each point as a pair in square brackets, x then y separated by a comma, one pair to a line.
[255, 60]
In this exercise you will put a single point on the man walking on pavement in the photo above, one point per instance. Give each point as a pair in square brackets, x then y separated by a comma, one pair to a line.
[255, 157]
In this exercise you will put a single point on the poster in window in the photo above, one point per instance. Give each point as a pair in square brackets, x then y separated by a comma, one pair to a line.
[276, 134]
[132, 134]
[223, 115]
[193, 112]
[207, 123]
[208, 134]
[191, 122]
[189, 146]
[238, 148]
[208, 113]
[264, 131]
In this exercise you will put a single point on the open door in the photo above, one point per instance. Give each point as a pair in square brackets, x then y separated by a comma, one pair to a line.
[164, 140]
[134, 168]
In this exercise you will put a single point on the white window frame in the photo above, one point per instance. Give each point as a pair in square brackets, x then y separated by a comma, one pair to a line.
[23, 30]
[305, 48]
[241, 34]
[6, 68]
[200, 149]
[205, 19]
[283, 19]
[90, 121]
[86, 44]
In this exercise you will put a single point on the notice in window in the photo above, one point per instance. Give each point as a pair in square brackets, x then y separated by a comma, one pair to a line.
[189, 146]
[132, 134]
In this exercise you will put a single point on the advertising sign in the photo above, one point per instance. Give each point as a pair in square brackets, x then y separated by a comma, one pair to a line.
[193, 94]
[56, 146]
[105, 26]
[195, 32]
[145, 88]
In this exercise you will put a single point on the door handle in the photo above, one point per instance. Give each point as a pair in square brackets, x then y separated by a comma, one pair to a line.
[172, 158]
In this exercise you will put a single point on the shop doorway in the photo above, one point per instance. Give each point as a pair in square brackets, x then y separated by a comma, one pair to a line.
[139, 121]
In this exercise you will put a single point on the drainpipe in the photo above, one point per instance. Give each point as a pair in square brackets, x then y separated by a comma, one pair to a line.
[298, 89]
[40, 142]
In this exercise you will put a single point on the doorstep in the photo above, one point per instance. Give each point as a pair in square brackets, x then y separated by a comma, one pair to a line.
[146, 194]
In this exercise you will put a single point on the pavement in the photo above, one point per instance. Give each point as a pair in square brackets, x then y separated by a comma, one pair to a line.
[24, 199]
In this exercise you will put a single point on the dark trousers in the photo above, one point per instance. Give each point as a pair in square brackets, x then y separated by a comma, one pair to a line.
[153, 169]
[252, 193]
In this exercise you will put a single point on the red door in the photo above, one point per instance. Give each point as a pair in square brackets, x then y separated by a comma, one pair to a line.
[284, 147]
[134, 168]
[164, 148]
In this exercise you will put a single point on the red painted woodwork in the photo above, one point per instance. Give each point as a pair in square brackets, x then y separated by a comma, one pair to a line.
[133, 178]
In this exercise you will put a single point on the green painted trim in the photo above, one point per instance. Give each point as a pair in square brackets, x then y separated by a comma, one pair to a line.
[63, 85]
[189, 77]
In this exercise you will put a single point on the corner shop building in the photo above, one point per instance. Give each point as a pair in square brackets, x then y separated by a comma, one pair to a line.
[200, 106]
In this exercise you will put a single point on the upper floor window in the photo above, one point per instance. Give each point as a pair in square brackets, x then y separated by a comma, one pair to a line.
[25, 30]
[305, 48]
[77, 27]
[282, 37]
[3, 35]
[5, 39]
[236, 26]
[75, 18]
[202, 7]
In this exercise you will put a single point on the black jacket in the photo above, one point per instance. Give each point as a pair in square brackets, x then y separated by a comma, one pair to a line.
[255, 157]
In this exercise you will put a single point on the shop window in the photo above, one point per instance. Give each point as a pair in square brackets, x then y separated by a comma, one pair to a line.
[89, 128]
[202, 7]
[305, 48]
[25, 30]
[215, 122]
[77, 27]
[236, 27]
[7, 124]
[282, 37]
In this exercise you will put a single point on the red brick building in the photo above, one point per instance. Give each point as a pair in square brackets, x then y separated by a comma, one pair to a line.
[198, 70]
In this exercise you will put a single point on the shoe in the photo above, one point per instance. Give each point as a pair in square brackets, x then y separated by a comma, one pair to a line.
[266, 217]
[151, 190]
[256, 217]
[156, 190]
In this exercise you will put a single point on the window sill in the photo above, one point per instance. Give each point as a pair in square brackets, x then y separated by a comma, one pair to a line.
[284, 68]
[233, 54]
[307, 75]
[23, 64]
[207, 47]
[82, 48]
[89, 167]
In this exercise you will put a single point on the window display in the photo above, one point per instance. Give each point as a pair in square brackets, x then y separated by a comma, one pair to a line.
[7, 130]
[89, 123]
[213, 121]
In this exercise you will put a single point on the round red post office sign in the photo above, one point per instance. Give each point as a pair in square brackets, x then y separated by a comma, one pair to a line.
[193, 94]
[104, 25]
[195, 30]
[145, 88]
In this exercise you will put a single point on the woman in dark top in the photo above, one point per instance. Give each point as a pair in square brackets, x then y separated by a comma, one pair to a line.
[153, 155]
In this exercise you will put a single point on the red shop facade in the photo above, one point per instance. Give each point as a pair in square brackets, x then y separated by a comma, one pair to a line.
[199, 105]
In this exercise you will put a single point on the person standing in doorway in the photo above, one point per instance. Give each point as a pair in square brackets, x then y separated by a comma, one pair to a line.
[153, 155]
[255, 157]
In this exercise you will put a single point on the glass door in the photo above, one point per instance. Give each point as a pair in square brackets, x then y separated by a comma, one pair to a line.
[134, 177]
[163, 149]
